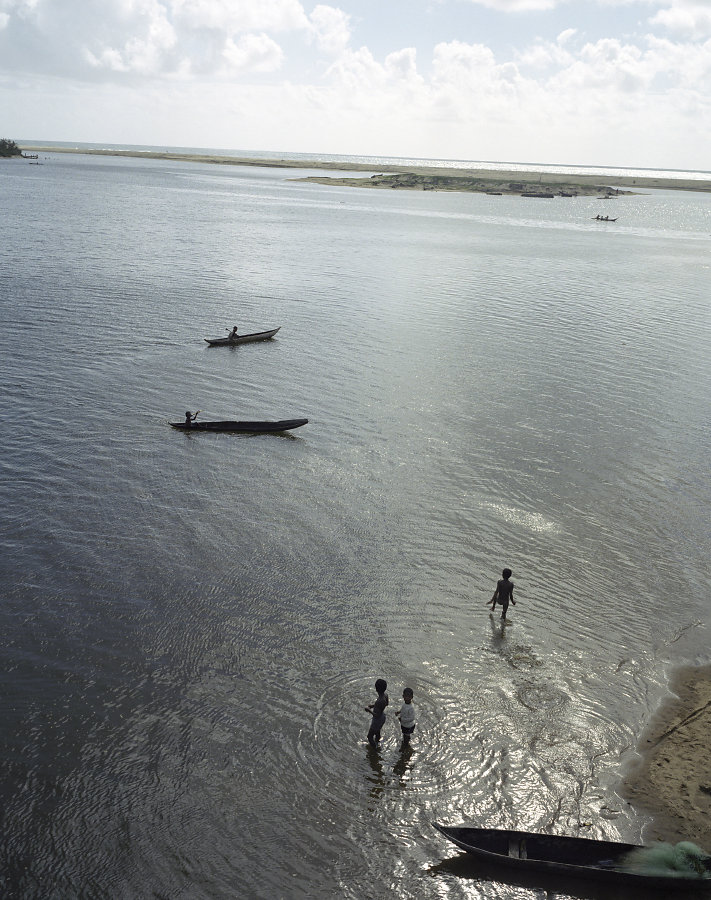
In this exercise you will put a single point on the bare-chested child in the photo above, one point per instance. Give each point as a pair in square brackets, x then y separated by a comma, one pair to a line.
[503, 593]
[377, 711]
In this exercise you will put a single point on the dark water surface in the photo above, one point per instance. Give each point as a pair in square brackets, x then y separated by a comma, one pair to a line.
[192, 624]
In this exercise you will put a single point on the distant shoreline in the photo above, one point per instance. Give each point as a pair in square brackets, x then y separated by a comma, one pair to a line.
[672, 778]
[490, 180]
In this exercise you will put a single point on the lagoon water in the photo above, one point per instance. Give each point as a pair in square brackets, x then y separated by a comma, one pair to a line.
[191, 625]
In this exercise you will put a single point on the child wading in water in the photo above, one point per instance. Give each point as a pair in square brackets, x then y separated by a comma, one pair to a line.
[503, 593]
[407, 716]
[377, 710]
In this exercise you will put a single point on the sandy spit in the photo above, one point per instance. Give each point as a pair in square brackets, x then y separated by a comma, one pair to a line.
[489, 175]
[672, 778]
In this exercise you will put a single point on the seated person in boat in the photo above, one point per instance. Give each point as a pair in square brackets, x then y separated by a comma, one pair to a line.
[233, 334]
[190, 418]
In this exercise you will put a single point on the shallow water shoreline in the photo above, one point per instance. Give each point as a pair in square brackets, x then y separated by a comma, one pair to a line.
[671, 780]
[586, 183]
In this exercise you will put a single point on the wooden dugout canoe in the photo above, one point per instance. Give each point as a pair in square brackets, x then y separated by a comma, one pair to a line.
[525, 852]
[246, 427]
[242, 338]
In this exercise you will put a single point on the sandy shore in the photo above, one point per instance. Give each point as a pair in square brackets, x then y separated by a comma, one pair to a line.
[587, 184]
[672, 779]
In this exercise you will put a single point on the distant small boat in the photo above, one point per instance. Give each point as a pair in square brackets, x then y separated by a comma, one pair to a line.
[538, 194]
[526, 851]
[604, 219]
[242, 338]
[245, 427]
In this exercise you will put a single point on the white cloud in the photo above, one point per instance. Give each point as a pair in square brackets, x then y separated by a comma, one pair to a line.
[254, 53]
[402, 66]
[457, 61]
[390, 90]
[22, 8]
[471, 70]
[688, 19]
[365, 82]
[546, 54]
[331, 28]
[147, 52]
[147, 47]
[234, 16]
[610, 62]
[686, 66]
[566, 35]
[146, 38]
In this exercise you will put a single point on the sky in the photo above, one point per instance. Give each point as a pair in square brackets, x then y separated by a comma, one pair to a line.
[575, 82]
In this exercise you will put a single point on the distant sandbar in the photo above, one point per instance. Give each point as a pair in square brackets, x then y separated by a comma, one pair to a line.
[392, 175]
[524, 184]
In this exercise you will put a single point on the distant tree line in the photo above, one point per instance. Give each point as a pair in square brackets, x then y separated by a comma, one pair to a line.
[9, 148]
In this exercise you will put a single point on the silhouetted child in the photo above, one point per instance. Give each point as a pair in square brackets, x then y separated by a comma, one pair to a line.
[407, 716]
[503, 593]
[377, 710]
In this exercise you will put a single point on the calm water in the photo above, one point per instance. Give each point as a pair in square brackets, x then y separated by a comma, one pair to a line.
[191, 625]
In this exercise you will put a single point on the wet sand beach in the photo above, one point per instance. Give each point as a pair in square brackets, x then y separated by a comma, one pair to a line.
[672, 778]
[487, 179]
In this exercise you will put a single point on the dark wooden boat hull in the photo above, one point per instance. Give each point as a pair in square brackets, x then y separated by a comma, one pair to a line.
[244, 427]
[524, 851]
[242, 338]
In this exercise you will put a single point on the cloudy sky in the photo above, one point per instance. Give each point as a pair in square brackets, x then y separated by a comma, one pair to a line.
[607, 82]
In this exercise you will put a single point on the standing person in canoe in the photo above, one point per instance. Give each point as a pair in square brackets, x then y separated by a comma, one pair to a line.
[377, 710]
[503, 593]
[233, 334]
[190, 418]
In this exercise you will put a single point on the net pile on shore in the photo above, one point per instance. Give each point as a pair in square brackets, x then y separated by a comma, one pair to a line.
[682, 860]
